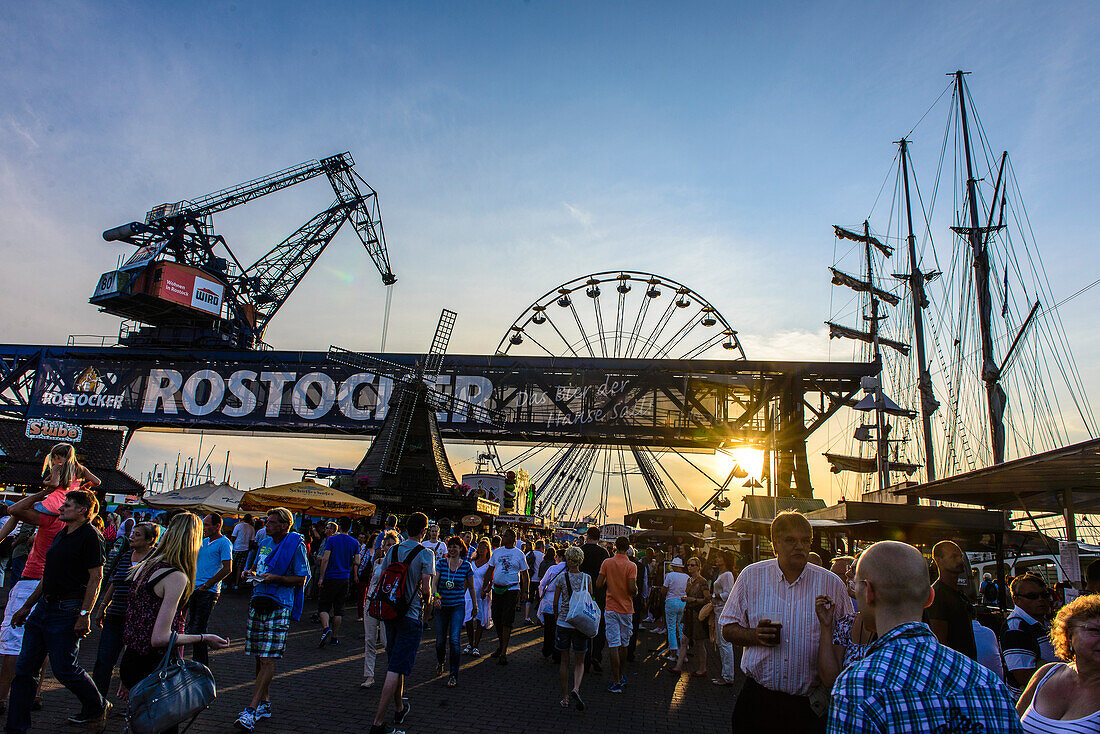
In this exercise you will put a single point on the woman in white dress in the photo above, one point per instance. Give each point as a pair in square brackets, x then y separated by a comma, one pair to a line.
[476, 624]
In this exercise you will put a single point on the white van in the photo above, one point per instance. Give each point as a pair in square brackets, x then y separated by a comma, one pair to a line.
[1044, 565]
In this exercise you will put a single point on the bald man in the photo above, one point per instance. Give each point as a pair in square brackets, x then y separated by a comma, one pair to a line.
[950, 614]
[908, 681]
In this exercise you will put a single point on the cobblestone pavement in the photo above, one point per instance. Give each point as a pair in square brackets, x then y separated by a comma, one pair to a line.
[318, 689]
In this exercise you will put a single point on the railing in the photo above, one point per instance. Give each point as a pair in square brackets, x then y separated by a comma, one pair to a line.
[91, 340]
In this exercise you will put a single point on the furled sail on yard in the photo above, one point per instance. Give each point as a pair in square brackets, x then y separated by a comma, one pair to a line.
[985, 372]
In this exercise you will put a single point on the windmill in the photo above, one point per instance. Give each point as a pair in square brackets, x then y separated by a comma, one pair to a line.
[406, 467]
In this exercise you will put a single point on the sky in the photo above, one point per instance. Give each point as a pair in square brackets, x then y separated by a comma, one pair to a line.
[516, 146]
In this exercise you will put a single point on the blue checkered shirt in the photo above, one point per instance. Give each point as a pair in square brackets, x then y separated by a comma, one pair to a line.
[909, 682]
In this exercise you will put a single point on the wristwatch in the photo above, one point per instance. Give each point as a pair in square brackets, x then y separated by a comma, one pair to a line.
[85, 612]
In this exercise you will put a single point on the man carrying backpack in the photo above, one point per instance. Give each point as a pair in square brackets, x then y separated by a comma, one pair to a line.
[403, 587]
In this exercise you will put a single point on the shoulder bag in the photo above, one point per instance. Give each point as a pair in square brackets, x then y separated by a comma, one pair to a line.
[176, 691]
[583, 612]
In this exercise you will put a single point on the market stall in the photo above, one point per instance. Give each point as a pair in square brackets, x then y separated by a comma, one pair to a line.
[309, 498]
[199, 498]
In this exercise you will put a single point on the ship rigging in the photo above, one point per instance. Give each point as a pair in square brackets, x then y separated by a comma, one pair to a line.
[976, 365]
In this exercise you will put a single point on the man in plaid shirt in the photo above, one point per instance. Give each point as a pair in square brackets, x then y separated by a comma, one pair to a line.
[908, 681]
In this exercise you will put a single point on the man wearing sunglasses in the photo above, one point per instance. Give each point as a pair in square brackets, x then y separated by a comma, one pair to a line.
[1024, 640]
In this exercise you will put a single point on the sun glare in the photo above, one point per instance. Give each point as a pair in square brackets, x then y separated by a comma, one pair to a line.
[751, 460]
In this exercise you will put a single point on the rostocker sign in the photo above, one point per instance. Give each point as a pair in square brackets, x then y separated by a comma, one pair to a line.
[301, 392]
[323, 397]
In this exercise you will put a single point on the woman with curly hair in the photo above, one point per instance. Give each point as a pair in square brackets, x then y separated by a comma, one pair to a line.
[1065, 697]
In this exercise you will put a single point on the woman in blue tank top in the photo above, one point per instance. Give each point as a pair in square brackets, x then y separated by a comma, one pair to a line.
[453, 582]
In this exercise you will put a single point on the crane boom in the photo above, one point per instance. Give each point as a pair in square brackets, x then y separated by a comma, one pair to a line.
[243, 193]
[236, 303]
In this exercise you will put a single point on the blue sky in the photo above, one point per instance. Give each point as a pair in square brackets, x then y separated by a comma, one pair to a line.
[516, 146]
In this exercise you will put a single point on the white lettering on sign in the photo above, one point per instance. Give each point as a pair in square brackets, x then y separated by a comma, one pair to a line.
[316, 387]
[161, 389]
[213, 398]
[242, 392]
[361, 396]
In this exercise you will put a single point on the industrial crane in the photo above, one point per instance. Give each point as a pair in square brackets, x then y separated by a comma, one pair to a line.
[182, 292]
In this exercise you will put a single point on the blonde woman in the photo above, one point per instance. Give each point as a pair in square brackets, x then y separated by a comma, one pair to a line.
[567, 637]
[61, 473]
[157, 606]
[1065, 697]
[479, 617]
[371, 626]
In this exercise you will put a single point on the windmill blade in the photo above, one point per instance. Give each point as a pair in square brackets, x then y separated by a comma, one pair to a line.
[439, 343]
[407, 399]
[442, 402]
[360, 361]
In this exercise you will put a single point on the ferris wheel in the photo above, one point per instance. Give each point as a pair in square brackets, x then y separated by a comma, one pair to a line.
[623, 314]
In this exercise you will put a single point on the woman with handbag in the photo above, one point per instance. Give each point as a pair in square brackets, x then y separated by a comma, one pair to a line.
[570, 580]
[696, 632]
[157, 605]
[546, 611]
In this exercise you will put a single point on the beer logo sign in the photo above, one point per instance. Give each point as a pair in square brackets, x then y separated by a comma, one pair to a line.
[53, 431]
[89, 381]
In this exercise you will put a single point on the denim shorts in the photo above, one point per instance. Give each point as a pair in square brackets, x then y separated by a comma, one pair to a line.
[402, 640]
[566, 637]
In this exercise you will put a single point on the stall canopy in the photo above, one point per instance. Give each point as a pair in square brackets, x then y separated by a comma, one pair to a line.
[671, 518]
[763, 527]
[201, 498]
[307, 497]
[758, 507]
[916, 524]
[663, 537]
[1062, 481]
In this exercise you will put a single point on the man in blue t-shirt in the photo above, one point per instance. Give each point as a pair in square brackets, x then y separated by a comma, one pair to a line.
[339, 569]
[279, 573]
[215, 563]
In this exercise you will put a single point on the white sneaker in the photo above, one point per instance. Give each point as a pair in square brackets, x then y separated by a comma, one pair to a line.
[263, 711]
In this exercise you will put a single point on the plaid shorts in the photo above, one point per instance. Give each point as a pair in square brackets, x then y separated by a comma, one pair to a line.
[266, 635]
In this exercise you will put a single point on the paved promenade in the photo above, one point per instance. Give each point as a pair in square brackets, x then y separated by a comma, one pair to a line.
[318, 690]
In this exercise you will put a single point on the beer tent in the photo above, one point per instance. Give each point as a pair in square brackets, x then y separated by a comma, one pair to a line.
[198, 498]
[309, 498]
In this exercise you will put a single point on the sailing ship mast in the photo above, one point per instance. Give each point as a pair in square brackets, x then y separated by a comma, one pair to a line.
[916, 278]
[877, 400]
[977, 237]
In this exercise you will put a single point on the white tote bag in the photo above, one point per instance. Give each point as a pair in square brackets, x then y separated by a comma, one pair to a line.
[584, 613]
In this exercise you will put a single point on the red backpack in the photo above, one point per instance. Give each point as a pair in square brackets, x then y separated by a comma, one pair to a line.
[389, 601]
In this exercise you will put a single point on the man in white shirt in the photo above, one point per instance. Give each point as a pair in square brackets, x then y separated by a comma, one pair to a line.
[243, 534]
[507, 579]
[534, 562]
[1025, 638]
[771, 613]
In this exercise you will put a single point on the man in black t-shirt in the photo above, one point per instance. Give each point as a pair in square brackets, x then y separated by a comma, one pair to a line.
[594, 556]
[70, 582]
[950, 613]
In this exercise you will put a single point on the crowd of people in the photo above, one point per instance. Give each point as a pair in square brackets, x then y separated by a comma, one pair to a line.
[868, 644]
